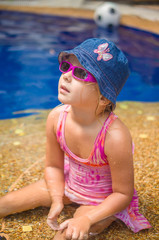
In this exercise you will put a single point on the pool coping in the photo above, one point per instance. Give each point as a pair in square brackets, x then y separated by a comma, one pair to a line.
[126, 19]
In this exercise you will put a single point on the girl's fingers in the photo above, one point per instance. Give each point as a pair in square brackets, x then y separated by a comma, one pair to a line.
[52, 220]
[55, 210]
[83, 236]
[75, 235]
[64, 225]
[69, 233]
[53, 224]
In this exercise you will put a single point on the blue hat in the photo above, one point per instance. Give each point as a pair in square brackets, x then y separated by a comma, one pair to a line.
[105, 62]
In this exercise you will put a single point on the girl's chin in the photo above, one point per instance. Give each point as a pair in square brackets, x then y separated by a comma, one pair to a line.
[69, 100]
[63, 100]
[60, 99]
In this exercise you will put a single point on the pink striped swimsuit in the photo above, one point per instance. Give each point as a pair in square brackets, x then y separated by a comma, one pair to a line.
[88, 181]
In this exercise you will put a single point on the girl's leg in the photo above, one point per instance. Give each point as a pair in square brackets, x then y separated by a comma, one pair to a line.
[94, 230]
[29, 197]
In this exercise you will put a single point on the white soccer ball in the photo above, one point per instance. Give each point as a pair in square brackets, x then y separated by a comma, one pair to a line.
[107, 15]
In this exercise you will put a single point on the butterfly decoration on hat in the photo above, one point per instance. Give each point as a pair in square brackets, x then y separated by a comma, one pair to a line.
[103, 52]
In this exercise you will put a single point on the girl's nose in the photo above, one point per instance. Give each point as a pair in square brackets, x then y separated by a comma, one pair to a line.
[67, 76]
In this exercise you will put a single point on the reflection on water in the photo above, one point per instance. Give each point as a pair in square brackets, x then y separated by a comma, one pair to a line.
[29, 46]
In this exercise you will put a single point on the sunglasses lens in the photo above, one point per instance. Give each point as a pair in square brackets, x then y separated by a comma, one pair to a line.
[80, 73]
[64, 66]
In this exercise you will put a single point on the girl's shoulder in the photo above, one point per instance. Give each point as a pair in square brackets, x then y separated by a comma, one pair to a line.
[119, 127]
[53, 118]
[118, 136]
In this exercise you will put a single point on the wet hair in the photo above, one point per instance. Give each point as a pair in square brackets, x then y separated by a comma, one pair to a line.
[110, 107]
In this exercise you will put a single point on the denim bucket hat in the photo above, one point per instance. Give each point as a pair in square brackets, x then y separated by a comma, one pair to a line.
[105, 62]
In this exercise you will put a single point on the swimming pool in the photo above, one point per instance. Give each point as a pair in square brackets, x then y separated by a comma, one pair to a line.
[29, 46]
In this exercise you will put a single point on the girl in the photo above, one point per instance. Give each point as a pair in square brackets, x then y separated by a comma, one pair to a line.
[89, 158]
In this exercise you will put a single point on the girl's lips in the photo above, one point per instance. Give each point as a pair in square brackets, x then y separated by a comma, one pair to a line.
[64, 89]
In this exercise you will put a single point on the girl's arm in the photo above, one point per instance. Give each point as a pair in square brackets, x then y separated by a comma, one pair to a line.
[118, 148]
[54, 167]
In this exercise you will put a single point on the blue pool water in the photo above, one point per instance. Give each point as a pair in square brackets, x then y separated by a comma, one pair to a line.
[29, 46]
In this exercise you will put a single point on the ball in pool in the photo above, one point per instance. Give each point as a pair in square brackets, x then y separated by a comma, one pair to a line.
[107, 15]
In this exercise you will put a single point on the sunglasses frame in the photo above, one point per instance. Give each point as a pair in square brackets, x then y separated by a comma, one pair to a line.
[89, 77]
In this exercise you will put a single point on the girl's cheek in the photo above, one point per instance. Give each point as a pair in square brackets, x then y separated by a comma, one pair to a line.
[91, 94]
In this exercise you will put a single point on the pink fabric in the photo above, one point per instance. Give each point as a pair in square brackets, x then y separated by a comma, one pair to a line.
[88, 181]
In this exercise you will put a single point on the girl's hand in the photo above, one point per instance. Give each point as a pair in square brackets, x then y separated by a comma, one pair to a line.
[55, 210]
[77, 228]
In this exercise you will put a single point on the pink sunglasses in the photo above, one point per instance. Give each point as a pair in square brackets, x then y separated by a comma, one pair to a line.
[77, 72]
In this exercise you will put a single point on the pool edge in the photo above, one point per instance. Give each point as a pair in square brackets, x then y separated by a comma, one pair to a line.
[127, 20]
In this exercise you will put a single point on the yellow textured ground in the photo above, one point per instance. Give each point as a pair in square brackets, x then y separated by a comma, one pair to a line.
[22, 149]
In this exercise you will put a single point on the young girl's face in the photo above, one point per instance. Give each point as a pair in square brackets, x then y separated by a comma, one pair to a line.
[76, 92]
